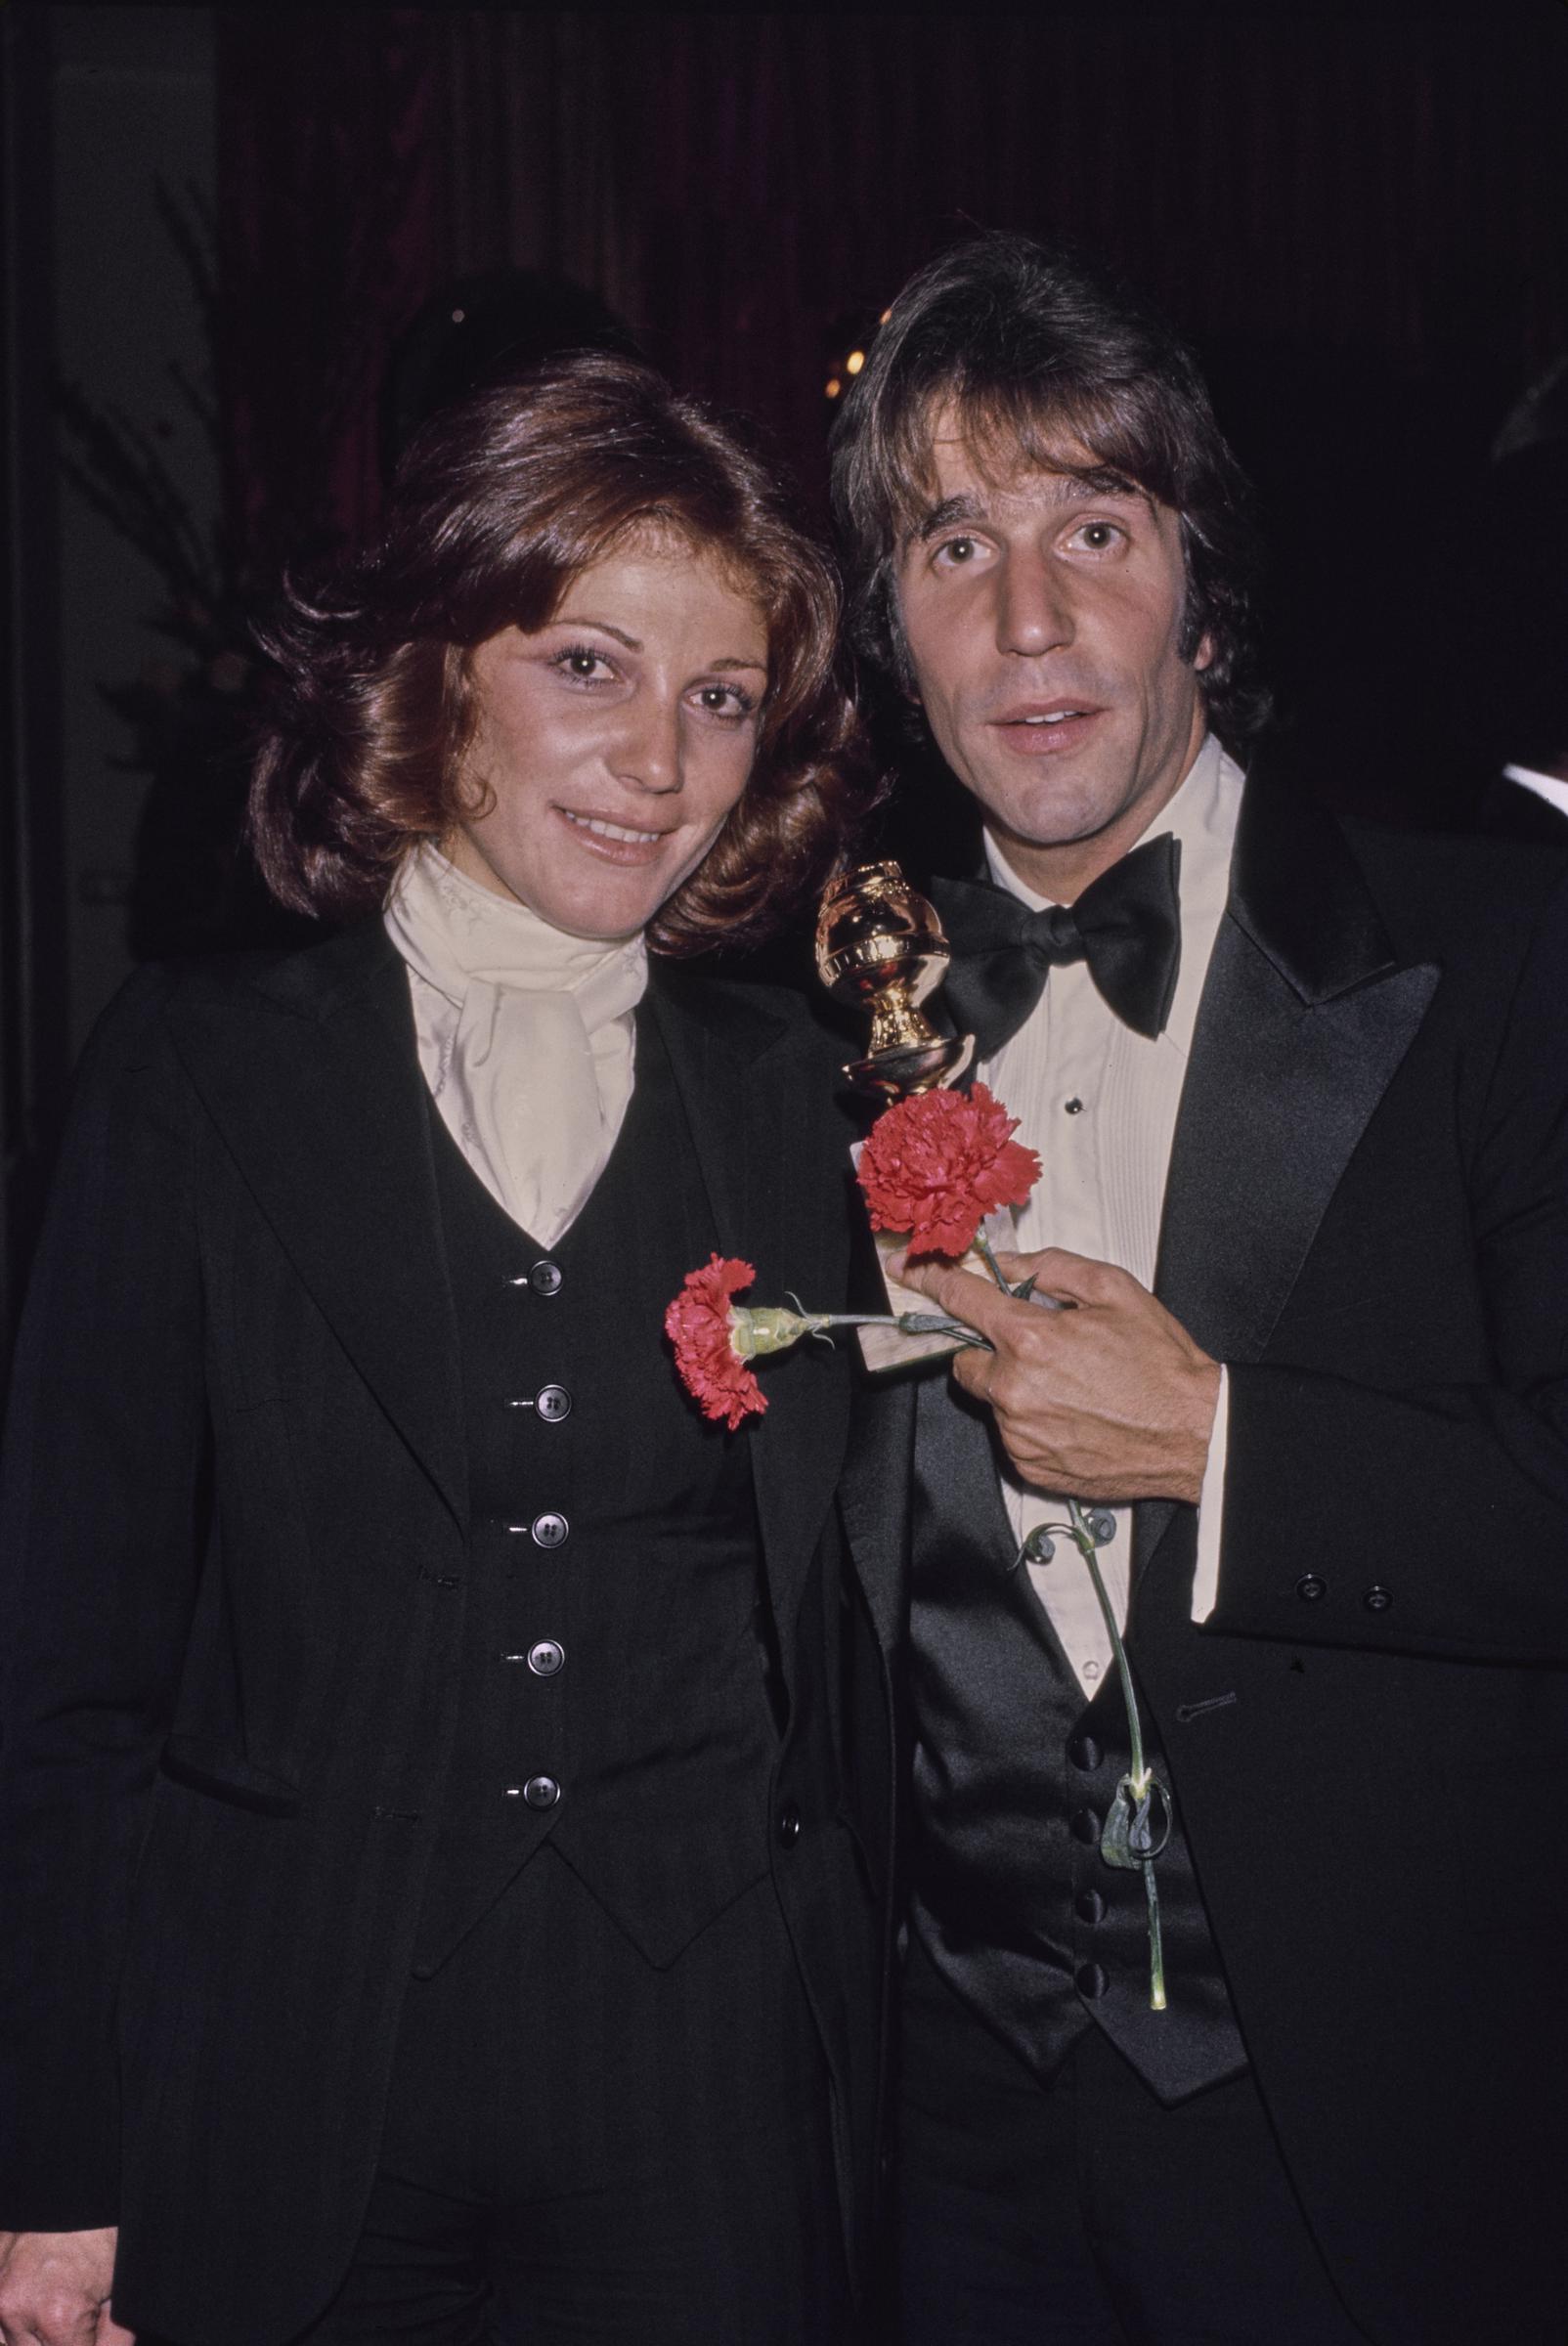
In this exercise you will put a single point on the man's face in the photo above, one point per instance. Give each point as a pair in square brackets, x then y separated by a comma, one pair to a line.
[1043, 617]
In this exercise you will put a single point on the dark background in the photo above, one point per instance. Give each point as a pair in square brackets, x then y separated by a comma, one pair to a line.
[233, 236]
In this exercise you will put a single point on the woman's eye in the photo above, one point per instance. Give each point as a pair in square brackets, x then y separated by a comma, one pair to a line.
[581, 664]
[725, 700]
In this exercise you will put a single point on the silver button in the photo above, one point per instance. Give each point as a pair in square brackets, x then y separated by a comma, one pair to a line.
[542, 1792]
[545, 1278]
[545, 1658]
[553, 1403]
[549, 1530]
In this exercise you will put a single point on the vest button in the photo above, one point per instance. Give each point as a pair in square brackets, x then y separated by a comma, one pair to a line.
[789, 1823]
[549, 1530]
[1378, 1600]
[553, 1403]
[1089, 1907]
[1310, 1587]
[1085, 1754]
[1090, 1980]
[545, 1278]
[1086, 1827]
[542, 1792]
[545, 1658]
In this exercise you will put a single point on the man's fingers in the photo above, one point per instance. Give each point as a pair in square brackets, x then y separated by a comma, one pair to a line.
[1075, 1278]
[979, 1302]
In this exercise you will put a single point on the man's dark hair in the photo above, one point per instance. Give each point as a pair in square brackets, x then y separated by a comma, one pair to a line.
[1037, 352]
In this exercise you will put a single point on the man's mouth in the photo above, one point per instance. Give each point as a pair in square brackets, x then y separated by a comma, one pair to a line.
[1041, 728]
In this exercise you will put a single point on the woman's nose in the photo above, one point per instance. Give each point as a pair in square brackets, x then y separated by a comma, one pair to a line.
[649, 753]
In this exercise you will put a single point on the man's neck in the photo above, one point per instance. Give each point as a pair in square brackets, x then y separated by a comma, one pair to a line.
[1062, 872]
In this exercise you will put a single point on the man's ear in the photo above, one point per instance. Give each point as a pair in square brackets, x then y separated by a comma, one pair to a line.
[1204, 654]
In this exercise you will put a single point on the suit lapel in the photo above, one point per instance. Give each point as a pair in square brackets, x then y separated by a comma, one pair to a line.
[759, 1108]
[315, 1088]
[1306, 1014]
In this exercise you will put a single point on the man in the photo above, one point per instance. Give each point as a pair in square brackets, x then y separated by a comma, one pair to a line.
[1523, 530]
[1299, 1099]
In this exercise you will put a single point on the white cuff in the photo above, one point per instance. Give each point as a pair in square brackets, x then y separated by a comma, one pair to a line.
[1211, 1508]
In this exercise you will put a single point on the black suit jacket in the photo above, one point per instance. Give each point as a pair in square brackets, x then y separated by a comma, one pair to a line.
[233, 1541]
[1367, 1218]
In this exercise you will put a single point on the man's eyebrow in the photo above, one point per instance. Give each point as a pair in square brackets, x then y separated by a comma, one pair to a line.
[1069, 482]
[942, 516]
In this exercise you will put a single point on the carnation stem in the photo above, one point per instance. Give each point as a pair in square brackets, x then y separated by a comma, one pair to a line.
[1141, 1775]
[910, 1323]
[982, 1247]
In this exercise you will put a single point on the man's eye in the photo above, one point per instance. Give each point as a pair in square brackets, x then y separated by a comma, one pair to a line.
[1099, 535]
[957, 550]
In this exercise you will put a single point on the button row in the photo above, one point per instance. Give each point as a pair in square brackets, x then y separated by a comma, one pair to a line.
[1312, 1588]
[549, 1530]
[551, 1403]
[545, 1278]
[539, 1792]
[544, 1659]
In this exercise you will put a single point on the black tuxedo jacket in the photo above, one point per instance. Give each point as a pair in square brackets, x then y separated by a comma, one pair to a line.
[234, 1542]
[1367, 1218]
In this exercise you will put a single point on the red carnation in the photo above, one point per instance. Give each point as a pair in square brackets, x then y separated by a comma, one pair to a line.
[938, 1164]
[699, 1327]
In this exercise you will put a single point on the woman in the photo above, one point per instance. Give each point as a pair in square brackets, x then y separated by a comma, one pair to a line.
[469, 1712]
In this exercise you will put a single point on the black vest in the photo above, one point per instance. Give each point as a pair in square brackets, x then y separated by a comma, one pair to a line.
[1014, 1775]
[613, 1689]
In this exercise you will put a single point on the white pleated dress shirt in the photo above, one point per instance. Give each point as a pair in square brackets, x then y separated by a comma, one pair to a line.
[1097, 1104]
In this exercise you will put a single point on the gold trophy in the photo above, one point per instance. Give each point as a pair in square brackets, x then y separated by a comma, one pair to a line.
[880, 944]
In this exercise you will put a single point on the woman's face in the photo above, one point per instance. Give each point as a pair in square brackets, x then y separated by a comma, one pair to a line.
[611, 745]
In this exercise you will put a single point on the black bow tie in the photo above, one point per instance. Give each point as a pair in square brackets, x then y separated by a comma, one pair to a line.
[1126, 926]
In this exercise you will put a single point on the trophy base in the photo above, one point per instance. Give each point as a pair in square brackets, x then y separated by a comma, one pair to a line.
[913, 1067]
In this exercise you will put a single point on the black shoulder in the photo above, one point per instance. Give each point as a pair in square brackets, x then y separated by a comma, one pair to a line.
[1452, 897]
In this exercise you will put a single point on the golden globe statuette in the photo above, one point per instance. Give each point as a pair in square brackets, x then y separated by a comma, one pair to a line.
[879, 944]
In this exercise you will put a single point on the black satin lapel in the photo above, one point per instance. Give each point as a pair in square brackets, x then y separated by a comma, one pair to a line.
[1305, 1018]
[760, 1108]
[1278, 1092]
[321, 1103]
[875, 1495]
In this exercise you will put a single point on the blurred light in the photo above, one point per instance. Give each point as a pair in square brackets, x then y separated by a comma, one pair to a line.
[458, 316]
[854, 361]
[834, 387]
[885, 315]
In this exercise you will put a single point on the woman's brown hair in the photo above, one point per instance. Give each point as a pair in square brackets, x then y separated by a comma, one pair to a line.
[498, 505]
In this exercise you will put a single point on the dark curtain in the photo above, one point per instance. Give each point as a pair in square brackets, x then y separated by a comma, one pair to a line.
[1361, 222]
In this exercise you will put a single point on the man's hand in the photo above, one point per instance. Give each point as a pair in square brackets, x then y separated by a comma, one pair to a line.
[54, 2289]
[1111, 1401]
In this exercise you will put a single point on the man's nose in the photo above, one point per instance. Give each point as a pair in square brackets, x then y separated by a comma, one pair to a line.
[1034, 611]
[648, 754]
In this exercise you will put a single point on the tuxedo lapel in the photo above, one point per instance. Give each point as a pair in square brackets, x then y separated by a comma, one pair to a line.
[1305, 1016]
[761, 1114]
[312, 1081]
[875, 1495]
